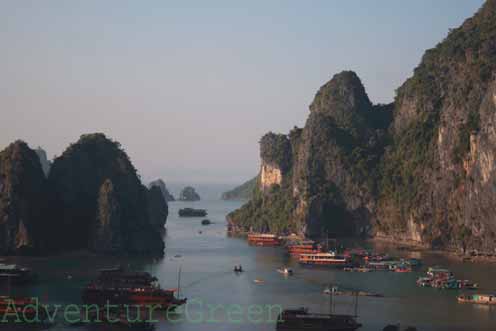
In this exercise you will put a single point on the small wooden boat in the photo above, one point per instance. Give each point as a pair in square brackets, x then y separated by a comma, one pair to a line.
[402, 269]
[325, 259]
[481, 299]
[285, 271]
[259, 281]
[191, 212]
[466, 284]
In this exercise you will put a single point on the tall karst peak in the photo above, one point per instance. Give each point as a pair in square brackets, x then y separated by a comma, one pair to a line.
[343, 98]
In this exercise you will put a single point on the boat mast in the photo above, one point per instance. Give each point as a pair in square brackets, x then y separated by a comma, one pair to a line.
[331, 300]
[331, 288]
[179, 283]
[356, 304]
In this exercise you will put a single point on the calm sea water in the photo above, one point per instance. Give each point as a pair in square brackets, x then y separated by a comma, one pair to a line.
[207, 258]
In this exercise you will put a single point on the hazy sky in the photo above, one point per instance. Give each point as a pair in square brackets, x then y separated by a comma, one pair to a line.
[188, 87]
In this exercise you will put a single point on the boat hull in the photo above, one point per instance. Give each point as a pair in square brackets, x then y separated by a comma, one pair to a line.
[319, 322]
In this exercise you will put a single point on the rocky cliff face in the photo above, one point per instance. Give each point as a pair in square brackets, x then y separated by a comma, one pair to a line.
[189, 194]
[163, 188]
[439, 183]
[421, 169]
[98, 201]
[22, 192]
[317, 179]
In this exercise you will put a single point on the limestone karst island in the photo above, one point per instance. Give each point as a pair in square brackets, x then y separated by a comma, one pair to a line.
[294, 166]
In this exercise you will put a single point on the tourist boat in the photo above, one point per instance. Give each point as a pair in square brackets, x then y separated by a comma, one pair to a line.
[285, 271]
[263, 239]
[15, 274]
[436, 272]
[377, 258]
[481, 299]
[302, 319]
[382, 265]
[120, 276]
[402, 269]
[413, 262]
[424, 282]
[139, 296]
[467, 284]
[356, 252]
[304, 247]
[12, 309]
[328, 259]
[191, 212]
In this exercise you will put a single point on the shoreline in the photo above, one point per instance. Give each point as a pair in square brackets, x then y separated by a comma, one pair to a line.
[401, 244]
[410, 245]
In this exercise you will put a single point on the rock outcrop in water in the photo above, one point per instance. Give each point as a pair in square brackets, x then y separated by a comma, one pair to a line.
[98, 201]
[45, 163]
[421, 170]
[158, 210]
[189, 194]
[163, 188]
[93, 199]
[242, 192]
[22, 193]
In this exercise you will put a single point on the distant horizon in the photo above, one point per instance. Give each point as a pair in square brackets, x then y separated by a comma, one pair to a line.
[188, 89]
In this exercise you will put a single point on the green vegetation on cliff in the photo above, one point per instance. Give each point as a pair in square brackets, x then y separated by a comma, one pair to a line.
[93, 166]
[266, 212]
[419, 169]
[242, 192]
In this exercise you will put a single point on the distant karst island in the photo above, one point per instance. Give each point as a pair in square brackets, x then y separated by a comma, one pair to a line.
[163, 188]
[189, 194]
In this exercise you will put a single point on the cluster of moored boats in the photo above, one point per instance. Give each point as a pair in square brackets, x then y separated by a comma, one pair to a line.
[113, 291]
[442, 278]
[309, 252]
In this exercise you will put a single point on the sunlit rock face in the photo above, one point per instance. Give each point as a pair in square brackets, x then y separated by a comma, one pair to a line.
[269, 175]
